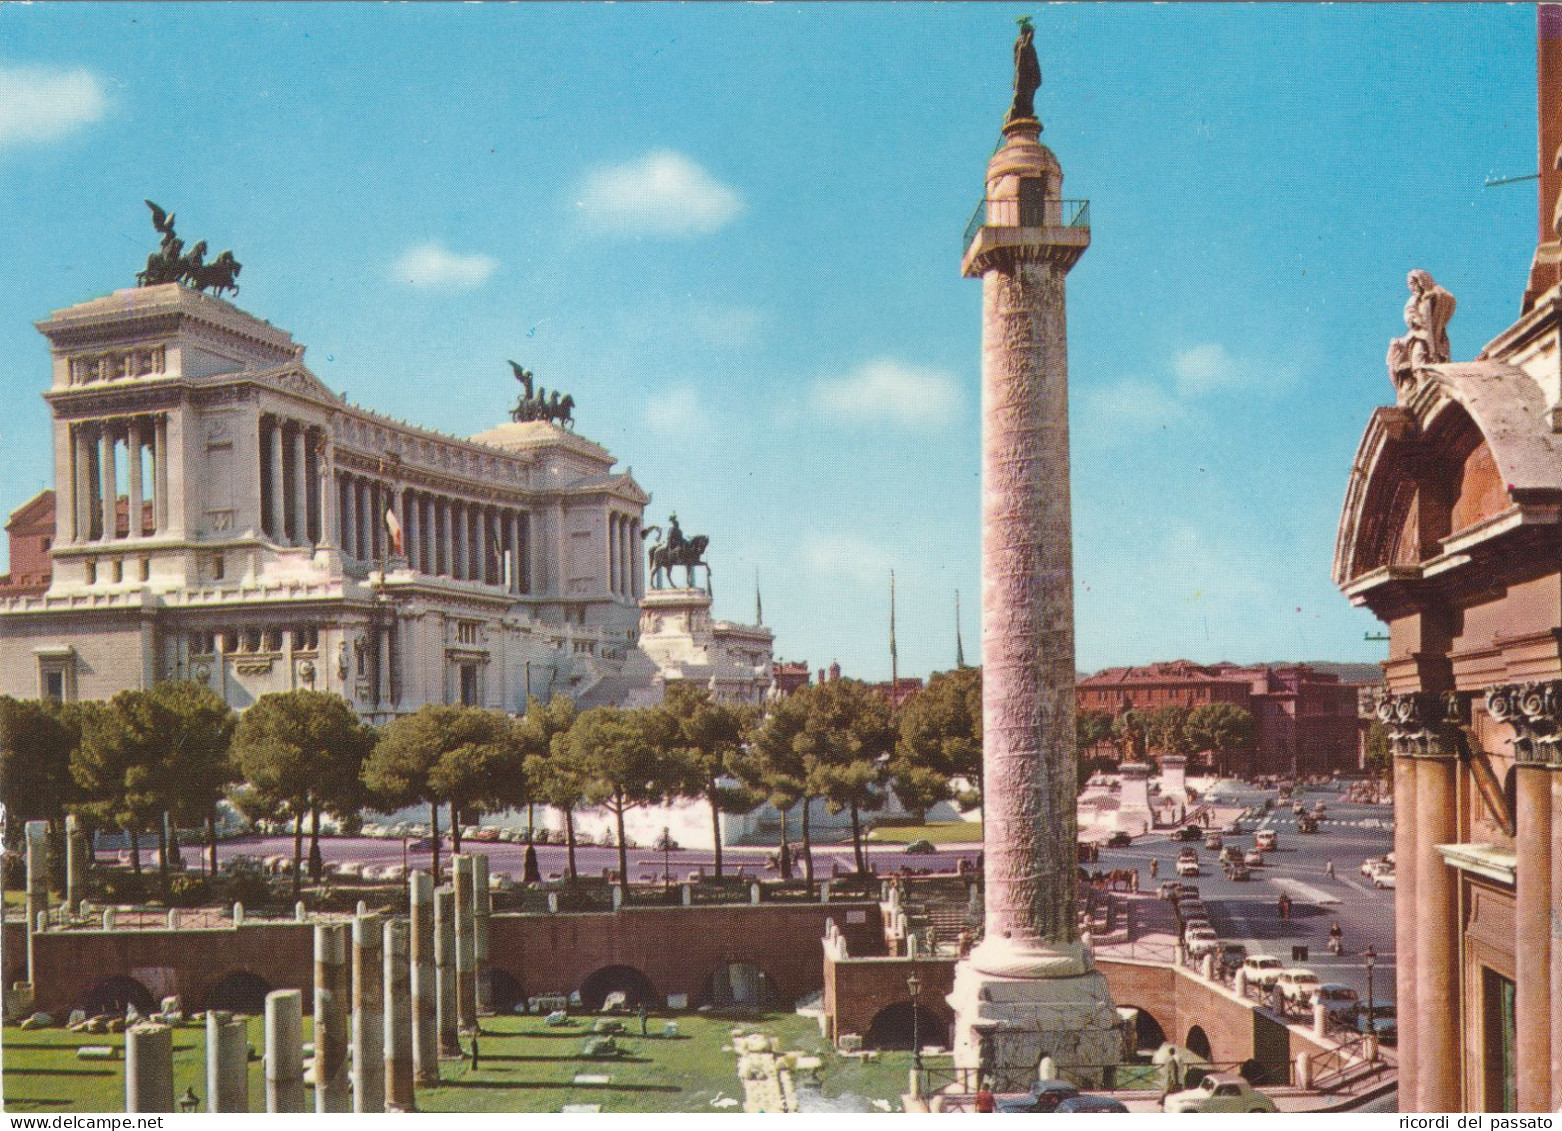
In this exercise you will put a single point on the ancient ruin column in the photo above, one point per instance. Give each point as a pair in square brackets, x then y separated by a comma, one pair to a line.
[1031, 981]
[227, 1063]
[445, 970]
[333, 1091]
[1437, 963]
[1407, 865]
[466, 945]
[482, 908]
[149, 1068]
[284, 1051]
[76, 854]
[133, 454]
[368, 1015]
[398, 1018]
[37, 849]
[1532, 916]
[425, 1046]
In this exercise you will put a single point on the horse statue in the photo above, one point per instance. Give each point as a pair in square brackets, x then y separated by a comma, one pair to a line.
[219, 275]
[536, 403]
[676, 550]
[170, 263]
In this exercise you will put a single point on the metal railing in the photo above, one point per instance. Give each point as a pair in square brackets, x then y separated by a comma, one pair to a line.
[1050, 212]
[1343, 1066]
[1108, 1077]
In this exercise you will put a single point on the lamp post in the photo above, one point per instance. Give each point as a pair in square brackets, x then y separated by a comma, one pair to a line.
[667, 847]
[914, 987]
[1370, 956]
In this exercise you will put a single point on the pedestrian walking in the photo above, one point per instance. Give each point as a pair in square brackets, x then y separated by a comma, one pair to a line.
[1155, 868]
[645, 1015]
[985, 1100]
[1328, 869]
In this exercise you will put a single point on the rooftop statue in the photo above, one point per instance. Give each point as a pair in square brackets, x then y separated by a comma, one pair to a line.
[536, 404]
[676, 550]
[170, 263]
[1428, 311]
[1027, 72]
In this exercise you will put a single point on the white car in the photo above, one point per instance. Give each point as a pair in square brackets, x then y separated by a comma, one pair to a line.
[1262, 969]
[1298, 985]
[1266, 839]
[1383, 880]
[1188, 868]
[1219, 1091]
[1201, 941]
[1369, 868]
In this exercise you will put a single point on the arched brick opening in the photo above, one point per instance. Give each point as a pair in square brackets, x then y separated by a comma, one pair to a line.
[239, 991]
[1149, 1034]
[504, 992]
[1198, 1042]
[892, 1027]
[741, 985]
[633, 984]
[112, 996]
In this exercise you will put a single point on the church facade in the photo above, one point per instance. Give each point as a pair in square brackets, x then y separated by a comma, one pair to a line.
[220, 515]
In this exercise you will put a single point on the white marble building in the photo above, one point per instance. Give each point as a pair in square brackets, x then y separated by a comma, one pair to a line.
[221, 516]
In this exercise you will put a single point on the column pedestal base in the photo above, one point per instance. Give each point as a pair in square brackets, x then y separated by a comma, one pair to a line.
[1047, 1003]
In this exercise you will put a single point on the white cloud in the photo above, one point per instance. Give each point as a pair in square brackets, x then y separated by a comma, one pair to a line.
[663, 193]
[1207, 367]
[430, 265]
[849, 556]
[677, 411]
[1130, 406]
[42, 104]
[890, 390]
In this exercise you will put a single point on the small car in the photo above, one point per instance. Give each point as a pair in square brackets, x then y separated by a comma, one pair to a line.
[1383, 1022]
[1266, 839]
[1297, 984]
[1188, 854]
[1232, 828]
[1190, 868]
[1201, 941]
[1194, 923]
[1238, 872]
[1340, 1003]
[1383, 880]
[1232, 955]
[1119, 840]
[1219, 1091]
[1263, 969]
[1253, 858]
[1168, 889]
[1187, 832]
[1102, 1105]
[1045, 1096]
[1375, 864]
[1214, 842]
[1187, 892]
[1230, 854]
[1306, 824]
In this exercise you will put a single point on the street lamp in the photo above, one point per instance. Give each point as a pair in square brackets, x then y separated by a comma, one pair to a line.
[1370, 956]
[914, 987]
[667, 847]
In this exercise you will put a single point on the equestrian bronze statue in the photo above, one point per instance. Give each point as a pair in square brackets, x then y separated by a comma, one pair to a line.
[676, 550]
[170, 263]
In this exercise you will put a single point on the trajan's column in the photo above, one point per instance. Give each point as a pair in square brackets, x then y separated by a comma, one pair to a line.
[1030, 988]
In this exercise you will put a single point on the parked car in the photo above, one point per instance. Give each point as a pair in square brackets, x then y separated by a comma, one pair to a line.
[1102, 1105]
[1253, 858]
[1376, 864]
[1230, 854]
[1232, 828]
[1263, 969]
[1266, 839]
[1383, 1022]
[1045, 1096]
[1187, 892]
[1232, 955]
[1297, 984]
[1201, 941]
[1168, 889]
[1119, 840]
[1191, 868]
[1219, 1091]
[1383, 880]
[1187, 832]
[1214, 842]
[1339, 1002]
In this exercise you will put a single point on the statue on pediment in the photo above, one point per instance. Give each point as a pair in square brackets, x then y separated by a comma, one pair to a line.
[1428, 311]
[1027, 73]
[676, 550]
[170, 263]
[535, 402]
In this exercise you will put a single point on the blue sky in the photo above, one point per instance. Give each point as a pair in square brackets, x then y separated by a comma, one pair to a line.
[733, 233]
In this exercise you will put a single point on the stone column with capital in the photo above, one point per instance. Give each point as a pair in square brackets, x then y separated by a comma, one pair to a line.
[1030, 986]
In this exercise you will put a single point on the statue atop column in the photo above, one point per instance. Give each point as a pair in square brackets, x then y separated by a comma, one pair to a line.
[676, 550]
[1428, 311]
[535, 403]
[1027, 73]
[170, 263]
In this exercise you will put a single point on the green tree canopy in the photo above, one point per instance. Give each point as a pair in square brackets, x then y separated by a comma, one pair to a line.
[846, 743]
[303, 752]
[1166, 731]
[704, 740]
[615, 753]
[940, 740]
[36, 743]
[552, 780]
[1221, 728]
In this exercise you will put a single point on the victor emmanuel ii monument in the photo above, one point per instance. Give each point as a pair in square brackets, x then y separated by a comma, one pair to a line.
[1030, 988]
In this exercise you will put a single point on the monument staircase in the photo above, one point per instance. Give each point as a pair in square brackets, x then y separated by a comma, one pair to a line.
[938, 911]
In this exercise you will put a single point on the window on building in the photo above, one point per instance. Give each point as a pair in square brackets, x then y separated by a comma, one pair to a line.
[92, 572]
[146, 569]
[1497, 994]
[119, 570]
[54, 686]
[1032, 202]
[56, 675]
[47, 542]
[230, 641]
[469, 696]
[306, 639]
[469, 632]
[219, 567]
[273, 640]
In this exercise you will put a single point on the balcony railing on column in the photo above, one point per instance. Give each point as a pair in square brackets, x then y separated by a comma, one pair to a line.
[1045, 213]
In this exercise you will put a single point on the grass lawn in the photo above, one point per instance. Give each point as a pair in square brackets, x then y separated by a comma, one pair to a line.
[524, 1067]
[939, 832]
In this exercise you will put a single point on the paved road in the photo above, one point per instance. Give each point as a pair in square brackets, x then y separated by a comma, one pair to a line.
[1245, 912]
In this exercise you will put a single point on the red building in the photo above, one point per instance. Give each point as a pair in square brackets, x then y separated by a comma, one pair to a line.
[1304, 720]
[31, 530]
